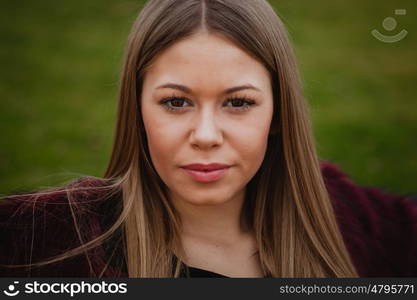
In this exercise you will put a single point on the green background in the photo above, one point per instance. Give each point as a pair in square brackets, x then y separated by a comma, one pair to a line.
[60, 64]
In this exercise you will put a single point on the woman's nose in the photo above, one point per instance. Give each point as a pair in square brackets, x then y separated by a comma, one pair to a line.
[206, 132]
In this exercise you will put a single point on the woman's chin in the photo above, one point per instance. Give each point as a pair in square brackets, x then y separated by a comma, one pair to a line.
[206, 201]
[203, 197]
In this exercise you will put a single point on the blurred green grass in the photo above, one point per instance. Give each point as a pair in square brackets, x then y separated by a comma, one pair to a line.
[61, 63]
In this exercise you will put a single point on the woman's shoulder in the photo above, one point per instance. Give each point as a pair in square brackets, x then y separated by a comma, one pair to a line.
[379, 227]
[42, 224]
[52, 204]
[371, 204]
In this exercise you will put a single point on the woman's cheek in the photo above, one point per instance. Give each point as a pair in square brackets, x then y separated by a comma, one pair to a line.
[255, 147]
[162, 145]
[158, 145]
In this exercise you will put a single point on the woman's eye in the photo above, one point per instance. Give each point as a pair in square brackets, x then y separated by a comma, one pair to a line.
[236, 104]
[173, 103]
[240, 103]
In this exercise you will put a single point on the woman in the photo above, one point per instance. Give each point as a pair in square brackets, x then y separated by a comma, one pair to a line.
[214, 170]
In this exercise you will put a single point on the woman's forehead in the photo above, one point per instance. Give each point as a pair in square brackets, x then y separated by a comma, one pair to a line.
[206, 59]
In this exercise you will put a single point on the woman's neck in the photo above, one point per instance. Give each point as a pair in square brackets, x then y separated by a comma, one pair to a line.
[215, 224]
[213, 238]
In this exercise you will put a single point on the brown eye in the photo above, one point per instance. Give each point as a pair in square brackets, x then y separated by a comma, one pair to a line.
[177, 102]
[237, 102]
[174, 103]
[240, 103]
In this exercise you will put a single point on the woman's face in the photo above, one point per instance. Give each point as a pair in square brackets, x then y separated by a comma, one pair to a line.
[204, 101]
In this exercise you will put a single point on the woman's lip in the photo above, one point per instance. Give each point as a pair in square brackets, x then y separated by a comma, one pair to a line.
[206, 176]
[206, 167]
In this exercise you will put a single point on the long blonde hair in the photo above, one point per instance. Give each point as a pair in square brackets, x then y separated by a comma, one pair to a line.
[286, 204]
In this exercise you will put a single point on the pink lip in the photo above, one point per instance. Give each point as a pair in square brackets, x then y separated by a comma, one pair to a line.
[206, 173]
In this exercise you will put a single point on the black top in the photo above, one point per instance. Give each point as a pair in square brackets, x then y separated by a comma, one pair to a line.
[191, 272]
[196, 272]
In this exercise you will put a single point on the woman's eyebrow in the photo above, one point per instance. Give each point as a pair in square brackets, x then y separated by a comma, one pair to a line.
[187, 90]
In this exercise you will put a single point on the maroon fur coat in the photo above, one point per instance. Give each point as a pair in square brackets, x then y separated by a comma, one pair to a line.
[379, 229]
